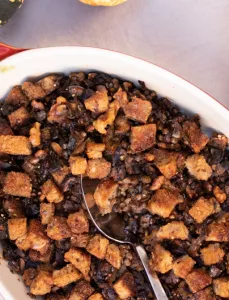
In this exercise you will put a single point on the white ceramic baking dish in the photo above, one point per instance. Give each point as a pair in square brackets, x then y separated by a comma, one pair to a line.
[32, 63]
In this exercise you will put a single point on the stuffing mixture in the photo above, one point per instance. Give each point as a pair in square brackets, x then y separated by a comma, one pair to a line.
[153, 163]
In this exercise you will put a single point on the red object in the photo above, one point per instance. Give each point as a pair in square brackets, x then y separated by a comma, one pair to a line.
[6, 51]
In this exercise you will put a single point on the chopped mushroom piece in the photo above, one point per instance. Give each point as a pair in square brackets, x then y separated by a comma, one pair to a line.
[198, 279]
[81, 291]
[113, 256]
[15, 145]
[198, 167]
[80, 240]
[212, 254]
[17, 184]
[59, 111]
[19, 117]
[80, 260]
[50, 83]
[142, 137]
[78, 222]
[125, 287]
[105, 194]
[28, 275]
[41, 284]
[94, 150]
[183, 266]
[98, 168]
[108, 118]
[122, 125]
[97, 103]
[194, 137]
[97, 246]
[166, 162]
[163, 202]
[138, 110]
[51, 192]
[78, 165]
[173, 230]
[66, 275]
[219, 194]
[157, 183]
[203, 208]
[58, 228]
[5, 128]
[221, 287]
[17, 227]
[162, 260]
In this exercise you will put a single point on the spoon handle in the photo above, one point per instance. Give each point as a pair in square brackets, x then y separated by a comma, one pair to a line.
[152, 276]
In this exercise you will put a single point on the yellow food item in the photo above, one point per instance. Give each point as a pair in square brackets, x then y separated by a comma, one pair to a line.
[103, 2]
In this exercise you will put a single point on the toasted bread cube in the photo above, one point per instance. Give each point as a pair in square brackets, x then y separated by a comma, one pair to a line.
[17, 184]
[105, 194]
[60, 174]
[37, 237]
[94, 150]
[166, 162]
[142, 137]
[203, 208]
[98, 168]
[33, 91]
[121, 97]
[206, 294]
[14, 208]
[47, 211]
[16, 97]
[97, 103]
[221, 287]
[50, 83]
[81, 291]
[113, 256]
[218, 231]
[41, 257]
[35, 134]
[157, 183]
[80, 240]
[198, 167]
[17, 228]
[23, 243]
[122, 125]
[96, 296]
[183, 266]
[162, 260]
[193, 135]
[80, 260]
[219, 194]
[66, 275]
[173, 230]
[212, 254]
[28, 276]
[90, 200]
[108, 118]
[42, 284]
[78, 222]
[78, 165]
[138, 110]
[5, 128]
[125, 287]
[15, 145]
[51, 192]
[58, 229]
[163, 202]
[97, 246]
[19, 117]
[197, 280]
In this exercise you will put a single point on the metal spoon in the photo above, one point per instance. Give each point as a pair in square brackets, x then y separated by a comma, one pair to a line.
[112, 226]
